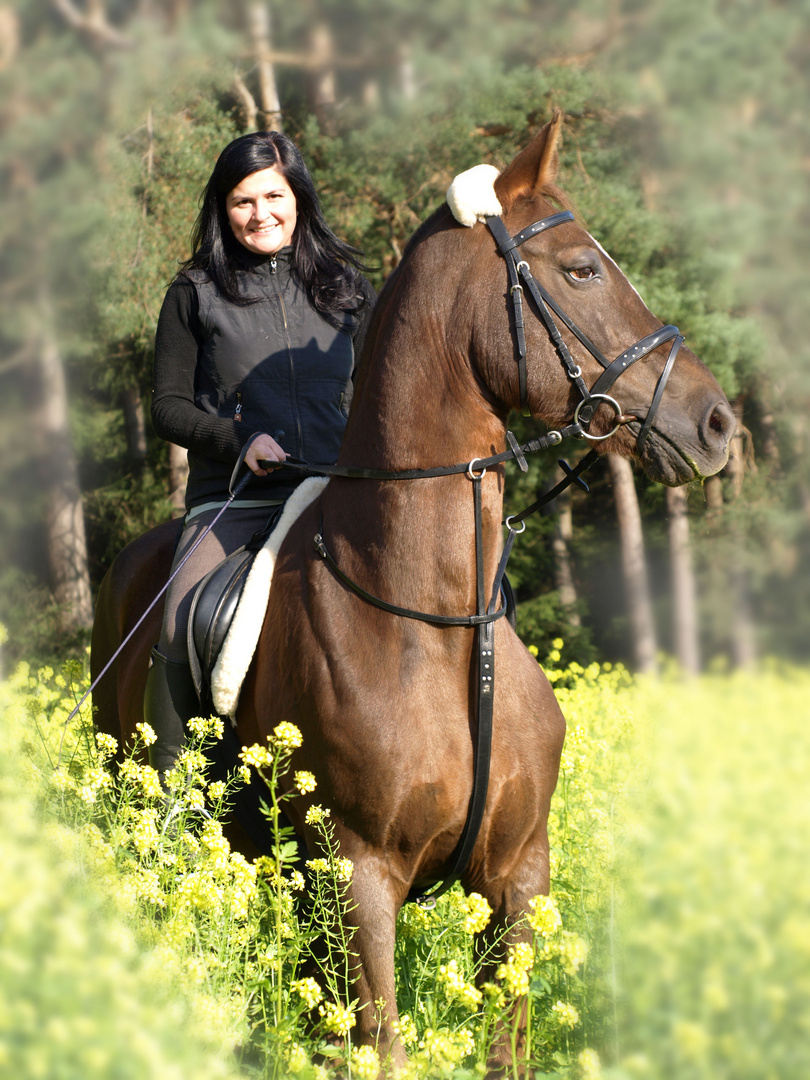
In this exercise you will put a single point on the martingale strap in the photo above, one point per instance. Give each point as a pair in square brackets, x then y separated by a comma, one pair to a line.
[484, 623]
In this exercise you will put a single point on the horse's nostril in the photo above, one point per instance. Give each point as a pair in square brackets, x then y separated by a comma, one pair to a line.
[721, 421]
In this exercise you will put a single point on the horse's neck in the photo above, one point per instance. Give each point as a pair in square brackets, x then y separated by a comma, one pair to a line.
[412, 539]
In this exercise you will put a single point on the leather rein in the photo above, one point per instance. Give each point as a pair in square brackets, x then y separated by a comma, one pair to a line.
[487, 610]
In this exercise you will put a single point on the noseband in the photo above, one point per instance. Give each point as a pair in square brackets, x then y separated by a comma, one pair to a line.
[520, 277]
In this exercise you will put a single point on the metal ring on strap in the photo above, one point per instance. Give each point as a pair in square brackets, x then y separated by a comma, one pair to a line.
[471, 470]
[508, 523]
[609, 401]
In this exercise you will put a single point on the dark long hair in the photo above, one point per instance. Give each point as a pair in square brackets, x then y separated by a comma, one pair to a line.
[327, 267]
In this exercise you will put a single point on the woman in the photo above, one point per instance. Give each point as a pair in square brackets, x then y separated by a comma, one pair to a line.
[257, 339]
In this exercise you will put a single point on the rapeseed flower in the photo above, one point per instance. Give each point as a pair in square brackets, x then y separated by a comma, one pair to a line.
[337, 1018]
[316, 815]
[565, 1015]
[478, 915]
[106, 744]
[544, 917]
[365, 1062]
[456, 986]
[589, 1067]
[514, 974]
[146, 732]
[285, 737]
[206, 727]
[296, 1057]
[257, 756]
[305, 782]
[308, 990]
[406, 1029]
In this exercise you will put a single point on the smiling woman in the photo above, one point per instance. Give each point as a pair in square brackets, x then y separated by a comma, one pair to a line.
[262, 212]
[255, 352]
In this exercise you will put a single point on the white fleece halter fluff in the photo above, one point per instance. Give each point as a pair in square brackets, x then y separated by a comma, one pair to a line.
[472, 196]
[240, 644]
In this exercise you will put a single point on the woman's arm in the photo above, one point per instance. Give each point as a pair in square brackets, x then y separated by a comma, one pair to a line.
[175, 416]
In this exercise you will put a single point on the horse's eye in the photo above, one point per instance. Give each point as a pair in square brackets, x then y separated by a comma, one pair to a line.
[582, 273]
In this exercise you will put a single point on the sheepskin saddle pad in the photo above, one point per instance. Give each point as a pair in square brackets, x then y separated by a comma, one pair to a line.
[229, 605]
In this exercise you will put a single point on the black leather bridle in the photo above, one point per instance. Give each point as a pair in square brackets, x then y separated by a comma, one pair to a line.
[520, 276]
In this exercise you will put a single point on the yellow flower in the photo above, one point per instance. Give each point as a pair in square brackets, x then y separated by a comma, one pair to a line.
[297, 881]
[305, 782]
[365, 1062]
[203, 727]
[195, 799]
[318, 866]
[257, 756]
[150, 782]
[61, 780]
[286, 736]
[588, 1064]
[315, 815]
[336, 1018]
[216, 790]
[456, 986]
[406, 1030]
[545, 916]
[479, 913]
[296, 1057]
[344, 868]
[514, 974]
[107, 745]
[146, 732]
[308, 990]
[572, 951]
[566, 1015]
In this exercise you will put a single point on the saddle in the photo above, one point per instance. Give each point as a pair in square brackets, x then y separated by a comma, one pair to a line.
[214, 605]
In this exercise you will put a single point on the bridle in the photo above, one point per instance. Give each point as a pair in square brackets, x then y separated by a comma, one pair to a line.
[520, 276]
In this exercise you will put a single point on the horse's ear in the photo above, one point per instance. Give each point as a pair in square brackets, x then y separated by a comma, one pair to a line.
[535, 168]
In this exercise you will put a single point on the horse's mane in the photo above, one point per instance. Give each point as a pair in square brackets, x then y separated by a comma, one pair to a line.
[548, 191]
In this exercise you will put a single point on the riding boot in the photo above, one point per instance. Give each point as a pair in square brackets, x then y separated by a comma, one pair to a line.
[170, 700]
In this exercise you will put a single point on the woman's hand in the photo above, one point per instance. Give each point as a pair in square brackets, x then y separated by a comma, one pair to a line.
[263, 448]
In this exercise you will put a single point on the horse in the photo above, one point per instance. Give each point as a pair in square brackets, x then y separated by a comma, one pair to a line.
[387, 704]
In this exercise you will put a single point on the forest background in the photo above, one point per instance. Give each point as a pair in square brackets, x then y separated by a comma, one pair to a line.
[686, 151]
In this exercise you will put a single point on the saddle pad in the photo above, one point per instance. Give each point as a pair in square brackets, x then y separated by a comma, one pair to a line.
[240, 644]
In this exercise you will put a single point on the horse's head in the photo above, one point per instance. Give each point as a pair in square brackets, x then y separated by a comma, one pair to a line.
[599, 317]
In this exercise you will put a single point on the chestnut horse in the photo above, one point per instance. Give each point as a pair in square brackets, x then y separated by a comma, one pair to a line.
[387, 705]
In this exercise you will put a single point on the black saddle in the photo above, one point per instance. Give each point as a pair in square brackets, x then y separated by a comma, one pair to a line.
[214, 605]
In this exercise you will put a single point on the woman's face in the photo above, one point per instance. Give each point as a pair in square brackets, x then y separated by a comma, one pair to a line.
[262, 212]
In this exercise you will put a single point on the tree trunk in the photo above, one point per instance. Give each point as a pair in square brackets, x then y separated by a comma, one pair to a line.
[322, 82]
[743, 633]
[563, 531]
[178, 475]
[685, 622]
[634, 565]
[134, 424]
[260, 39]
[67, 545]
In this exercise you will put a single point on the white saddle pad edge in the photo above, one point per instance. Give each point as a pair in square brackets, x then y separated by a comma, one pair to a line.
[240, 644]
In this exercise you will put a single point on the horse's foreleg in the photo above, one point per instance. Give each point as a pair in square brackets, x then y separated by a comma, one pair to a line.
[509, 898]
[373, 922]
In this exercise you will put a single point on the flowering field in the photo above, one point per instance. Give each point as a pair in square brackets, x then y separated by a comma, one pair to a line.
[676, 943]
